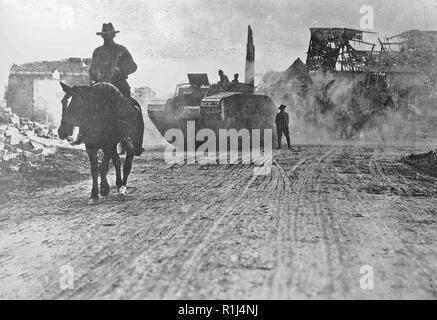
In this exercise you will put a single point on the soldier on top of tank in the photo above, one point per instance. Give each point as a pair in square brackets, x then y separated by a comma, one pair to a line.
[223, 78]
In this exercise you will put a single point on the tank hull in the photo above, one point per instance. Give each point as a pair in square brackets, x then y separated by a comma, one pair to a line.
[226, 110]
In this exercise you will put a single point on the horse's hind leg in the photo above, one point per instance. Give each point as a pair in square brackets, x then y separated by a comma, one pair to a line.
[117, 165]
[104, 167]
[92, 154]
[127, 166]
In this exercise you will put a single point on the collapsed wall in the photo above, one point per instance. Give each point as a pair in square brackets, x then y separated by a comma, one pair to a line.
[24, 142]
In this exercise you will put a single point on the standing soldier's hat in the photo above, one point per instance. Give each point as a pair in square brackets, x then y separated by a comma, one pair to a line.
[282, 107]
[107, 28]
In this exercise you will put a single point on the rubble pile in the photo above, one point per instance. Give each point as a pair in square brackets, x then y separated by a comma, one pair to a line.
[23, 141]
[33, 158]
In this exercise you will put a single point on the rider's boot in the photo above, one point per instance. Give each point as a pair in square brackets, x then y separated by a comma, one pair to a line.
[130, 147]
[127, 144]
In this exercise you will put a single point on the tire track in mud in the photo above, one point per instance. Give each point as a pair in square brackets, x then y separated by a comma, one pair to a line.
[321, 282]
[333, 255]
[199, 255]
[334, 232]
[368, 207]
[277, 181]
[286, 283]
[238, 170]
[157, 245]
[285, 200]
[192, 263]
[166, 234]
[99, 213]
[362, 207]
[341, 223]
[422, 260]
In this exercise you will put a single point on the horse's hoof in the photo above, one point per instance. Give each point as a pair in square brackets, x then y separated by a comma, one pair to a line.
[122, 190]
[93, 201]
[104, 189]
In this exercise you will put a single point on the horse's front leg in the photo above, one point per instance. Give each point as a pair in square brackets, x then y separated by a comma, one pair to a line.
[104, 167]
[117, 165]
[92, 154]
[127, 166]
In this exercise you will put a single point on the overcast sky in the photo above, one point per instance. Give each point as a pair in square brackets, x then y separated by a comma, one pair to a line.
[171, 38]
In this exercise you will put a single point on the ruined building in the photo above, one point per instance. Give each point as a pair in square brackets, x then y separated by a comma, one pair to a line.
[33, 89]
[411, 51]
[341, 50]
[331, 49]
[353, 82]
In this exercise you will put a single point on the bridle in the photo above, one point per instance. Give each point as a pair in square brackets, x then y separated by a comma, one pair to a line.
[81, 115]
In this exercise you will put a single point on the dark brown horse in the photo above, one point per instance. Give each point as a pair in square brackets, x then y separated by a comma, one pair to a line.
[97, 111]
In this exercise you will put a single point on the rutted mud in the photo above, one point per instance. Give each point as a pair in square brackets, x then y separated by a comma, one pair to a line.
[193, 231]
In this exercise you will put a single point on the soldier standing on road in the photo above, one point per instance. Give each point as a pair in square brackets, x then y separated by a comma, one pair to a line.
[282, 121]
[236, 78]
[112, 62]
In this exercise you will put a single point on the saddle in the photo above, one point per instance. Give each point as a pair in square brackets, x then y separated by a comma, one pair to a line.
[126, 111]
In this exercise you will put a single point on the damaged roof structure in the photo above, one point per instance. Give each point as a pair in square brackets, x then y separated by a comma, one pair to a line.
[331, 49]
[335, 49]
[398, 73]
[411, 51]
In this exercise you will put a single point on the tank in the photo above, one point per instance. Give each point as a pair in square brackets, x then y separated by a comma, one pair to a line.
[216, 106]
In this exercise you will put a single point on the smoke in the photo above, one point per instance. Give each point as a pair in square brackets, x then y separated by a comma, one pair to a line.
[324, 108]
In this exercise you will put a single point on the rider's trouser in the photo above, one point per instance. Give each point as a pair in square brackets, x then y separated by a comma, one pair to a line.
[131, 123]
[123, 86]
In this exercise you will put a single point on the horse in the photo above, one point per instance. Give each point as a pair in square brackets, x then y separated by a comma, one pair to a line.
[97, 110]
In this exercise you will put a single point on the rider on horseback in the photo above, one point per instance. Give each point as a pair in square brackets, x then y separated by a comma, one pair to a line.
[112, 63]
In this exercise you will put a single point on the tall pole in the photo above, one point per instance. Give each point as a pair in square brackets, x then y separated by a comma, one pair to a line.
[250, 59]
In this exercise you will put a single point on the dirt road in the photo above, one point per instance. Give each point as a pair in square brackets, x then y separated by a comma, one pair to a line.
[192, 231]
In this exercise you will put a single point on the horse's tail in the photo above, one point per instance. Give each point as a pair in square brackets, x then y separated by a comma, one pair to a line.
[135, 124]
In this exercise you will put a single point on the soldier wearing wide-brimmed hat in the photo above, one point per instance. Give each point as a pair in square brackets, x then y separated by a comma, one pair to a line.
[112, 62]
[282, 121]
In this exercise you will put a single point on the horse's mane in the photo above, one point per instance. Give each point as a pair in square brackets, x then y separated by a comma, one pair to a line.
[99, 102]
[100, 95]
[101, 90]
[107, 91]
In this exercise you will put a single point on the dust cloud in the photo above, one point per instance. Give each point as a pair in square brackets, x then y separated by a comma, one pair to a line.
[353, 108]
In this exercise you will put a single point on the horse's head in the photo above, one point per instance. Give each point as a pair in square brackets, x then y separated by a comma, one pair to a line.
[74, 108]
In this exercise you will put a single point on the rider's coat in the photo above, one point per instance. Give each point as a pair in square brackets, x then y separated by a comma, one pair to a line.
[105, 59]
